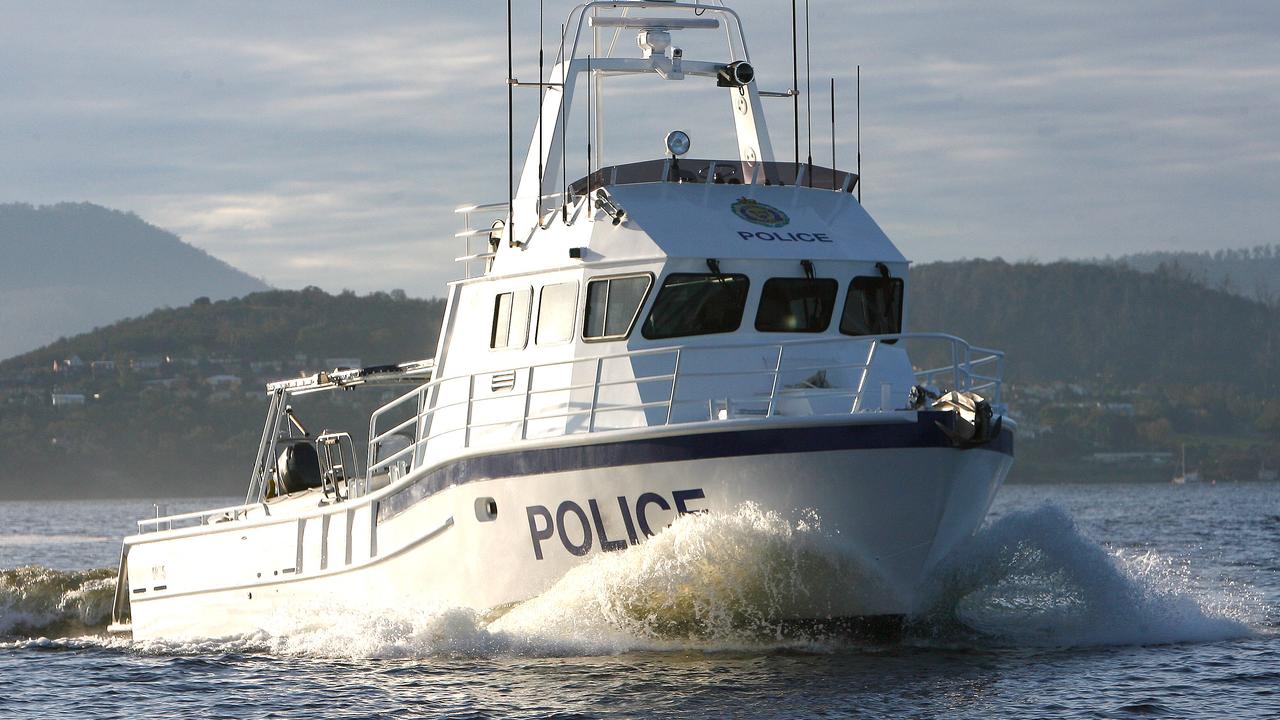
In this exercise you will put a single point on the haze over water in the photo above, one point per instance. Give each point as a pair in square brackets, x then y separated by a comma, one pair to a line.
[1073, 601]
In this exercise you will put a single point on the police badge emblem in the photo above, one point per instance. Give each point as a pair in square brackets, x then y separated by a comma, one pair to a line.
[754, 211]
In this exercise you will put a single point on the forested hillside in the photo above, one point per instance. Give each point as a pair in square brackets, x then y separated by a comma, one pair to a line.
[1076, 321]
[172, 403]
[380, 328]
[1253, 273]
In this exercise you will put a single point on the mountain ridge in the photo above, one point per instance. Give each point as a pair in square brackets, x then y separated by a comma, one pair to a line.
[1252, 273]
[70, 267]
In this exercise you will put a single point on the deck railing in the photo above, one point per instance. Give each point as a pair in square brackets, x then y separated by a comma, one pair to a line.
[971, 368]
[201, 517]
[658, 400]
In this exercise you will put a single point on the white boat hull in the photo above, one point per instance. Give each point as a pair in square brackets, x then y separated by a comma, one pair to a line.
[891, 512]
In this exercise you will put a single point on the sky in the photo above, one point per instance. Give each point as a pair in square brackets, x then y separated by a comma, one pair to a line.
[326, 143]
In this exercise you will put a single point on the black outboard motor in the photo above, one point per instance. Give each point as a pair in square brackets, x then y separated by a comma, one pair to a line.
[297, 468]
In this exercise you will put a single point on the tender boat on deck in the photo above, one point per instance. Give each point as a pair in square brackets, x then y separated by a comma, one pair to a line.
[658, 338]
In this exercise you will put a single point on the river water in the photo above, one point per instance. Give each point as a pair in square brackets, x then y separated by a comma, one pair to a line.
[1084, 601]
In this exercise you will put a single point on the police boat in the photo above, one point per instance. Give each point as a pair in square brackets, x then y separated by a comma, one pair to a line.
[632, 342]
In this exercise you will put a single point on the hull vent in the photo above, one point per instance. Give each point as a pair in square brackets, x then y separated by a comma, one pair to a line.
[503, 381]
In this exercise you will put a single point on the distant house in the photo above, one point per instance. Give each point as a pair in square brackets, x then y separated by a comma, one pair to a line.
[98, 366]
[223, 381]
[65, 399]
[342, 362]
[263, 366]
[145, 363]
[72, 363]
[1130, 458]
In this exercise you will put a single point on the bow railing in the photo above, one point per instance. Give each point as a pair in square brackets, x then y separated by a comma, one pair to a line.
[666, 386]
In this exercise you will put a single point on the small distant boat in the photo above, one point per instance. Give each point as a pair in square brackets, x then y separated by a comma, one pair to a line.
[1265, 473]
[1183, 477]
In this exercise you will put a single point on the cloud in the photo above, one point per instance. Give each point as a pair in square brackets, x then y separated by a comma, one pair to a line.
[326, 143]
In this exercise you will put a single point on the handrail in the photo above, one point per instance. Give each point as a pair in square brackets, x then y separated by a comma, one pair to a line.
[234, 511]
[966, 361]
[967, 370]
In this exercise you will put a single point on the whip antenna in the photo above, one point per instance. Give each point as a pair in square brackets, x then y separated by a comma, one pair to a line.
[588, 128]
[795, 84]
[564, 153]
[511, 142]
[808, 93]
[833, 133]
[542, 91]
[859, 145]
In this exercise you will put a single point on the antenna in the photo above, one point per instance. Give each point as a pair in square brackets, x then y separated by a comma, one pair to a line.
[597, 127]
[588, 129]
[564, 160]
[511, 141]
[542, 92]
[833, 133]
[795, 84]
[808, 93]
[859, 112]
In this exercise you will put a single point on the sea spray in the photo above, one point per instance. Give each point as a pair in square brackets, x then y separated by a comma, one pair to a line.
[1032, 578]
[38, 600]
[408, 633]
[732, 578]
[723, 581]
[708, 581]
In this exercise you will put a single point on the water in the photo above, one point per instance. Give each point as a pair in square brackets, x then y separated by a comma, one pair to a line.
[1073, 601]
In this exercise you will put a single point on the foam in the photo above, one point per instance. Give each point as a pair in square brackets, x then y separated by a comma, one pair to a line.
[40, 600]
[722, 582]
[1032, 578]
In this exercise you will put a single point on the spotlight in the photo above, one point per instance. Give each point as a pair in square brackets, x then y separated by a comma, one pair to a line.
[678, 142]
[736, 74]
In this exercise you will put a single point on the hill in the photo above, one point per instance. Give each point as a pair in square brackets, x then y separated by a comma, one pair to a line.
[1101, 360]
[171, 403]
[1252, 273]
[272, 325]
[1110, 324]
[74, 266]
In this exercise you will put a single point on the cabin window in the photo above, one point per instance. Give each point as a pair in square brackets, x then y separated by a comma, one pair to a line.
[556, 310]
[796, 304]
[612, 306]
[510, 319]
[696, 304]
[873, 307]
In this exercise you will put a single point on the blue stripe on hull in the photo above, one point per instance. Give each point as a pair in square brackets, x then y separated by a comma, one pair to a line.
[924, 433]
